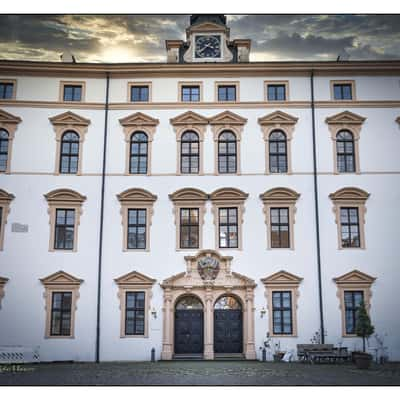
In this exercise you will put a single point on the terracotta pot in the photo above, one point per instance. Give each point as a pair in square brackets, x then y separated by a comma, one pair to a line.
[362, 360]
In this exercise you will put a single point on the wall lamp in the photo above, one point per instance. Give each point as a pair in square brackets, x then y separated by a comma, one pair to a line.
[154, 313]
[263, 312]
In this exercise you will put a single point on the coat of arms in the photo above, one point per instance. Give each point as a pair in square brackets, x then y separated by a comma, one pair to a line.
[208, 268]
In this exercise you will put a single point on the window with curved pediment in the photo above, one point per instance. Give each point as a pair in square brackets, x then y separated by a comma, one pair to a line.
[8, 127]
[70, 130]
[349, 208]
[278, 130]
[190, 153]
[139, 130]
[228, 209]
[345, 130]
[189, 210]
[136, 211]
[5, 200]
[227, 128]
[65, 209]
[280, 209]
[61, 295]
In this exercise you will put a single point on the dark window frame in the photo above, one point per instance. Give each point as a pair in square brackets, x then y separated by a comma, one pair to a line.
[64, 226]
[5, 90]
[135, 310]
[281, 309]
[62, 312]
[228, 224]
[346, 154]
[191, 154]
[223, 157]
[143, 93]
[279, 225]
[223, 92]
[136, 227]
[347, 223]
[191, 96]
[276, 156]
[193, 227]
[75, 89]
[274, 95]
[69, 155]
[341, 88]
[139, 155]
[4, 154]
[352, 310]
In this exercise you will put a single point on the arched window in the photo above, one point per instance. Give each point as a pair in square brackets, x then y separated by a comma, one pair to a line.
[189, 303]
[277, 152]
[190, 153]
[227, 157]
[139, 153]
[227, 303]
[3, 150]
[69, 153]
[345, 151]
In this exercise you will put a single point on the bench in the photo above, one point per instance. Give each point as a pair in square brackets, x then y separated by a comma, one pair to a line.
[322, 352]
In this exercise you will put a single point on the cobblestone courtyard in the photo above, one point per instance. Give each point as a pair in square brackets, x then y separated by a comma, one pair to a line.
[198, 373]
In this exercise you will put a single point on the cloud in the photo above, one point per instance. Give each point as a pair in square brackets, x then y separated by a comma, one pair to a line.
[116, 38]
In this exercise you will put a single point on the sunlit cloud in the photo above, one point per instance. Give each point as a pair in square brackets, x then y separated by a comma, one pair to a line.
[141, 38]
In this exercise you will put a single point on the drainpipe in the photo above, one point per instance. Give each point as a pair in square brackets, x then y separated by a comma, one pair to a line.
[321, 311]
[103, 181]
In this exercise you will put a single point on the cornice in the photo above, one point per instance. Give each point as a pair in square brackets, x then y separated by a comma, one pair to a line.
[390, 67]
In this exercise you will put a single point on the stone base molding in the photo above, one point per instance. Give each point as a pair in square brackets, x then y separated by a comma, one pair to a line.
[208, 276]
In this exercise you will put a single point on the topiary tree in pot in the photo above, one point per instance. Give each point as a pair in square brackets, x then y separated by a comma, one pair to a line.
[364, 329]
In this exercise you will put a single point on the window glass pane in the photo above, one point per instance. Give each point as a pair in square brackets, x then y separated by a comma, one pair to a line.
[347, 92]
[337, 92]
[281, 92]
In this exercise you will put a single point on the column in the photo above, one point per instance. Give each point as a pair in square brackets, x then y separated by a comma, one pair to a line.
[250, 351]
[208, 331]
[166, 353]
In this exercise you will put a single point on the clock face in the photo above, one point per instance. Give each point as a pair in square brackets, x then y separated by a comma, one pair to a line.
[208, 46]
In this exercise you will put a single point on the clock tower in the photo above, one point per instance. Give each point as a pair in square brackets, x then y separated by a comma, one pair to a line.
[207, 40]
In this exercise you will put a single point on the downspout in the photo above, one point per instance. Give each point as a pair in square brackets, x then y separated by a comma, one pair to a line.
[103, 181]
[321, 310]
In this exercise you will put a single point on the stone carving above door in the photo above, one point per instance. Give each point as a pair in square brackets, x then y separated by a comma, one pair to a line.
[208, 276]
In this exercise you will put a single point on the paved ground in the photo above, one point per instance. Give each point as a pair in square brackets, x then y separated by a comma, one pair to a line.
[198, 373]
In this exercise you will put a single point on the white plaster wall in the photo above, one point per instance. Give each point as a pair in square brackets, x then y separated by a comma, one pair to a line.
[22, 314]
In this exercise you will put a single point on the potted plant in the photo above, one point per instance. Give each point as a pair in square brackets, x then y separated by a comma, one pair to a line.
[364, 329]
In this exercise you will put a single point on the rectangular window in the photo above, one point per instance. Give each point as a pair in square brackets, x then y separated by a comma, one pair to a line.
[227, 93]
[134, 313]
[61, 314]
[189, 228]
[72, 93]
[342, 91]
[190, 93]
[228, 227]
[140, 93]
[280, 227]
[136, 228]
[6, 90]
[282, 313]
[276, 92]
[352, 300]
[349, 225]
[64, 229]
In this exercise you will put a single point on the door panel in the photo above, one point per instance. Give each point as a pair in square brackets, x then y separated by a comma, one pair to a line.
[228, 331]
[188, 331]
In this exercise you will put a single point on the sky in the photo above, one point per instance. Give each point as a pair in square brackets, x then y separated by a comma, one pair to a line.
[141, 38]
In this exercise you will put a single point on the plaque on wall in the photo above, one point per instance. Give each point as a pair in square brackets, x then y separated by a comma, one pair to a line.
[19, 228]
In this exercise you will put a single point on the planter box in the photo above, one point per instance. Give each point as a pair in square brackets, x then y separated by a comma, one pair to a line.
[362, 360]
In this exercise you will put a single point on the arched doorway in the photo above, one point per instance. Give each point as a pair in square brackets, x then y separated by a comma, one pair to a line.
[228, 325]
[188, 326]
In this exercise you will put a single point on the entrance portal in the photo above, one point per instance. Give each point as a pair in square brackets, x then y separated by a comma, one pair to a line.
[188, 326]
[228, 326]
